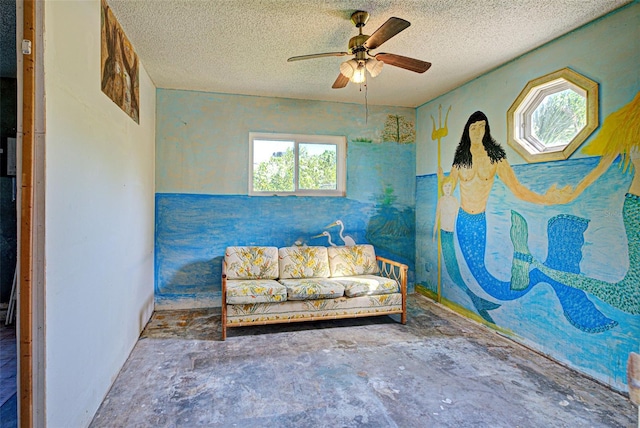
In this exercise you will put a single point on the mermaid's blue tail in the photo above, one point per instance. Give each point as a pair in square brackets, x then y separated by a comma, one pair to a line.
[624, 294]
[472, 237]
[482, 306]
[577, 308]
[565, 234]
[451, 263]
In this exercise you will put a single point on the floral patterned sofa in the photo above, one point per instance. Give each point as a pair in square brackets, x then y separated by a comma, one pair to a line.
[268, 285]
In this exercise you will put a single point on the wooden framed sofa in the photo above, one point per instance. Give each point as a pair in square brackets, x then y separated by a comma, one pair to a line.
[269, 285]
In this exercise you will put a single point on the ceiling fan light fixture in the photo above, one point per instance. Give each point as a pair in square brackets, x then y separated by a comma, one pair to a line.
[374, 66]
[359, 74]
[355, 69]
[348, 68]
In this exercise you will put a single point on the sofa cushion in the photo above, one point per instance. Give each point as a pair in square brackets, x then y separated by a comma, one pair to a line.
[251, 262]
[353, 260]
[367, 285]
[243, 291]
[312, 288]
[303, 262]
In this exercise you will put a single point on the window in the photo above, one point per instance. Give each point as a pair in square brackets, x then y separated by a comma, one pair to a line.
[304, 165]
[552, 116]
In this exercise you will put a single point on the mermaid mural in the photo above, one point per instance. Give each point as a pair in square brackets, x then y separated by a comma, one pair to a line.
[478, 160]
[446, 211]
[443, 228]
[620, 135]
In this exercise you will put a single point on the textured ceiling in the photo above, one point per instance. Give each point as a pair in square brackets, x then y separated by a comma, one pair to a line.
[242, 46]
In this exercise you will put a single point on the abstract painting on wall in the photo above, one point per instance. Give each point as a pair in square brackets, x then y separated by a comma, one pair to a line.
[119, 65]
[399, 130]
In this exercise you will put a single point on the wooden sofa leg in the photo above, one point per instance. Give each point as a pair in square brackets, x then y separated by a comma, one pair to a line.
[224, 332]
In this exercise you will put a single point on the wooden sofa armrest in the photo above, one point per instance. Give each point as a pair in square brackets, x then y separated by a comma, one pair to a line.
[394, 270]
[224, 300]
[397, 271]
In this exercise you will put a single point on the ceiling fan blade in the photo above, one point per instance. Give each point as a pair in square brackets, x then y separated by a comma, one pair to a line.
[386, 31]
[407, 63]
[340, 82]
[320, 55]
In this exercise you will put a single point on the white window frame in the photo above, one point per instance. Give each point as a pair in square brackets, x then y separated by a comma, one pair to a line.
[523, 115]
[519, 126]
[341, 162]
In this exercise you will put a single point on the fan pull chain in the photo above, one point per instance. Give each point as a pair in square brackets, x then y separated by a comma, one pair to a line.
[366, 103]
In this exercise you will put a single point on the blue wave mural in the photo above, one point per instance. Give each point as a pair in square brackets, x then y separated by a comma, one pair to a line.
[193, 231]
[537, 311]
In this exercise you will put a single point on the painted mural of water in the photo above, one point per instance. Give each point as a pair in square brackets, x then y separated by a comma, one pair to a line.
[193, 231]
[535, 316]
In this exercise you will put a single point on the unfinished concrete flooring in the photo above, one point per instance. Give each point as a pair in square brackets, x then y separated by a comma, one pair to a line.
[439, 370]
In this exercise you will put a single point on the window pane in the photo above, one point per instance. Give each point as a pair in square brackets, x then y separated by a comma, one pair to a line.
[317, 166]
[559, 118]
[273, 166]
[553, 115]
[292, 164]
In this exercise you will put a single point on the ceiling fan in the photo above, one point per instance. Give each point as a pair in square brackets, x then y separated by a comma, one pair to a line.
[360, 45]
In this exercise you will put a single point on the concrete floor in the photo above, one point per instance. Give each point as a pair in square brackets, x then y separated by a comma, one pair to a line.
[439, 370]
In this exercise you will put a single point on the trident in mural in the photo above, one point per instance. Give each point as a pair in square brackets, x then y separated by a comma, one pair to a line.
[438, 134]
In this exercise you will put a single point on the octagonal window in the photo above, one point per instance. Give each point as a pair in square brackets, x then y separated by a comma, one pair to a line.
[552, 116]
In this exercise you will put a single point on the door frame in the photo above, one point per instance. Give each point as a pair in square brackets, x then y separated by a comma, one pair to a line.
[30, 136]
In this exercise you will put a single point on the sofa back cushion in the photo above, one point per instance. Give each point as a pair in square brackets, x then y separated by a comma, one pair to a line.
[304, 262]
[251, 262]
[353, 260]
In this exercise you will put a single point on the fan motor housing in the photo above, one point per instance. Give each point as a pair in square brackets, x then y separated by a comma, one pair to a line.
[356, 42]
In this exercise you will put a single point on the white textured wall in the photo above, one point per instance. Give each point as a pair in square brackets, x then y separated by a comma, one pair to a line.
[99, 218]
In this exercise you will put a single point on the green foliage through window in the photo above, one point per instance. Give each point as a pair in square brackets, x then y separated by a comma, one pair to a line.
[559, 117]
[552, 116]
[285, 165]
[275, 174]
[317, 171]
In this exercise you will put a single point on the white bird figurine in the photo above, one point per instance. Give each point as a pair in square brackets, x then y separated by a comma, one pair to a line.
[347, 240]
[328, 235]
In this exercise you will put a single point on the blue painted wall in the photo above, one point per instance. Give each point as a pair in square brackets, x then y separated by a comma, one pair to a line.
[585, 237]
[202, 205]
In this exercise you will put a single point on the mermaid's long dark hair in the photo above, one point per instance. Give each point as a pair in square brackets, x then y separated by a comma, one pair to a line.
[463, 156]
